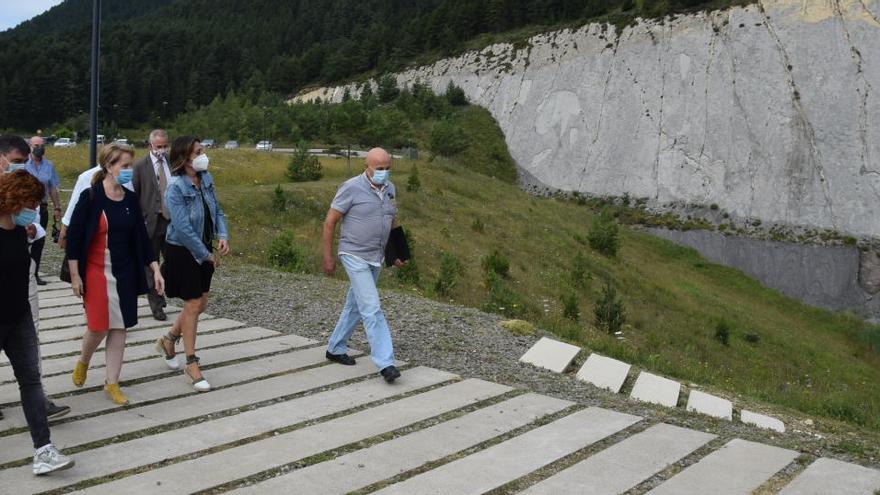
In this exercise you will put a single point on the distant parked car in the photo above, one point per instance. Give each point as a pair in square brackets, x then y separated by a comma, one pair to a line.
[99, 139]
[121, 141]
[64, 143]
[207, 143]
[231, 145]
[264, 146]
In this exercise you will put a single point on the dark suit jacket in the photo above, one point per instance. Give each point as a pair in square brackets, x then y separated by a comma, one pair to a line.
[84, 224]
[146, 186]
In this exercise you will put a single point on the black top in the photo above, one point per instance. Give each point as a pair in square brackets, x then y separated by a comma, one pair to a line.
[208, 231]
[15, 265]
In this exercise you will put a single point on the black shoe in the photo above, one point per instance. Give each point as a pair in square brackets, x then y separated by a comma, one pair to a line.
[54, 411]
[340, 358]
[390, 373]
[158, 314]
[40, 281]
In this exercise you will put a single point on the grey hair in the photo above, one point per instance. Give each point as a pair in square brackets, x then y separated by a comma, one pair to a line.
[157, 133]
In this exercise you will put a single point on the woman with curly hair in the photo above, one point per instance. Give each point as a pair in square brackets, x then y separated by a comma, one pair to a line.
[108, 248]
[20, 194]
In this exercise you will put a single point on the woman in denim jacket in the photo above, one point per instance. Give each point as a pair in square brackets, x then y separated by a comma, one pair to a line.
[196, 220]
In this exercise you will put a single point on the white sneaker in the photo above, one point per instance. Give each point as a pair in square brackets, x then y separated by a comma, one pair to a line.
[48, 459]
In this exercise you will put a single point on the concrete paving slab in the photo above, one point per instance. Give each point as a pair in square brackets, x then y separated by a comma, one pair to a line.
[826, 476]
[604, 372]
[736, 468]
[656, 389]
[383, 461]
[52, 367]
[67, 346]
[53, 293]
[290, 447]
[625, 464]
[54, 286]
[551, 354]
[514, 458]
[708, 404]
[69, 300]
[77, 309]
[66, 435]
[155, 368]
[47, 323]
[762, 421]
[175, 385]
[117, 457]
[60, 362]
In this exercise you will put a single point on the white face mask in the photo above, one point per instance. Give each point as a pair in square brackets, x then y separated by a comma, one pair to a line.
[200, 164]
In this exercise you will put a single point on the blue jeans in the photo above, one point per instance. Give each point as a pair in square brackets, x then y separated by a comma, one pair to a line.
[362, 304]
[19, 341]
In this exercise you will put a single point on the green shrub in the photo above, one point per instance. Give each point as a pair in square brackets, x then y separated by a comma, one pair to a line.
[279, 200]
[413, 184]
[304, 167]
[609, 312]
[408, 273]
[722, 332]
[604, 235]
[501, 298]
[447, 139]
[495, 262]
[450, 271]
[752, 338]
[580, 274]
[285, 254]
[455, 95]
[570, 308]
[477, 225]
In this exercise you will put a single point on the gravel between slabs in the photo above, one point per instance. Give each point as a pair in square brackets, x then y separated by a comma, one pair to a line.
[470, 343]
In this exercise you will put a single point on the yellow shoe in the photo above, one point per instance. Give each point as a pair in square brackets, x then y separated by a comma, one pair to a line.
[115, 394]
[79, 373]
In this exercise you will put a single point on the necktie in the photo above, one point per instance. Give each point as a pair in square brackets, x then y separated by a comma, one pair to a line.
[163, 184]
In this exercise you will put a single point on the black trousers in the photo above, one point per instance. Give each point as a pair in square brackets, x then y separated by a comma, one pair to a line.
[37, 246]
[157, 239]
[19, 341]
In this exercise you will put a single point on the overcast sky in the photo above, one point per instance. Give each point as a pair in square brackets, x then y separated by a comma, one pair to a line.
[12, 12]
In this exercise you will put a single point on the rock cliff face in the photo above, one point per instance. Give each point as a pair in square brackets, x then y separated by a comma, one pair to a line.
[771, 111]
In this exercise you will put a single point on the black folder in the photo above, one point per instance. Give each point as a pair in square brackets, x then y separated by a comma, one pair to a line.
[397, 248]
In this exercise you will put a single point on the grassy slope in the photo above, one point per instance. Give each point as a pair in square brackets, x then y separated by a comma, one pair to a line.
[807, 359]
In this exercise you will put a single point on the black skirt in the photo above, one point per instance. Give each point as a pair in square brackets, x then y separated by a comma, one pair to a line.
[184, 278]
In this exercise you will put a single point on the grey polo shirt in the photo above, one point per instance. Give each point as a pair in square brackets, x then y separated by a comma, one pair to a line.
[367, 217]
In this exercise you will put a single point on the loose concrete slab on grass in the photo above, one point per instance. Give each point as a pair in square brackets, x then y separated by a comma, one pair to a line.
[551, 354]
[656, 389]
[708, 404]
[762, 421]
[604, 372]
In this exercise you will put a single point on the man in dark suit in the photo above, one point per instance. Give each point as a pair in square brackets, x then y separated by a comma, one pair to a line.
[151, 178]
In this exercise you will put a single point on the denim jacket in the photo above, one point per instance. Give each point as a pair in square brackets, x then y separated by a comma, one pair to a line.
[184, 204]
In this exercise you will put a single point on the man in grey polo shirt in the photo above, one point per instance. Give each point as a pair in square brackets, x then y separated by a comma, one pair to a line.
[366, 206]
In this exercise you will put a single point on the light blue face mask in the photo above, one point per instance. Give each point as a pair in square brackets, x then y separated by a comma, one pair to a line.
[25, 217]
[14, 166]
[380, 177]
[125, 176]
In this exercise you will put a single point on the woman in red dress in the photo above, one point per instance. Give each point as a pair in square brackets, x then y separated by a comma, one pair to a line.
[107, 248]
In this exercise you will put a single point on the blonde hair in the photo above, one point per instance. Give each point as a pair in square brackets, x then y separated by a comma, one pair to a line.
[108, 156]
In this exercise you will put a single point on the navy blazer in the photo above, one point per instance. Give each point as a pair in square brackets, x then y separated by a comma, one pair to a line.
[84, 225]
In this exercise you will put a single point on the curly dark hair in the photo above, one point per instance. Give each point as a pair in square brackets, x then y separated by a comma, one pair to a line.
[19, 190]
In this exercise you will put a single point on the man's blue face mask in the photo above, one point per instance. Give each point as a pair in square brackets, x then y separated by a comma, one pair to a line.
[380, 177]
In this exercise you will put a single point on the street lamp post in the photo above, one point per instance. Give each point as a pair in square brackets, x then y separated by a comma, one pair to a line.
[96, 48]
